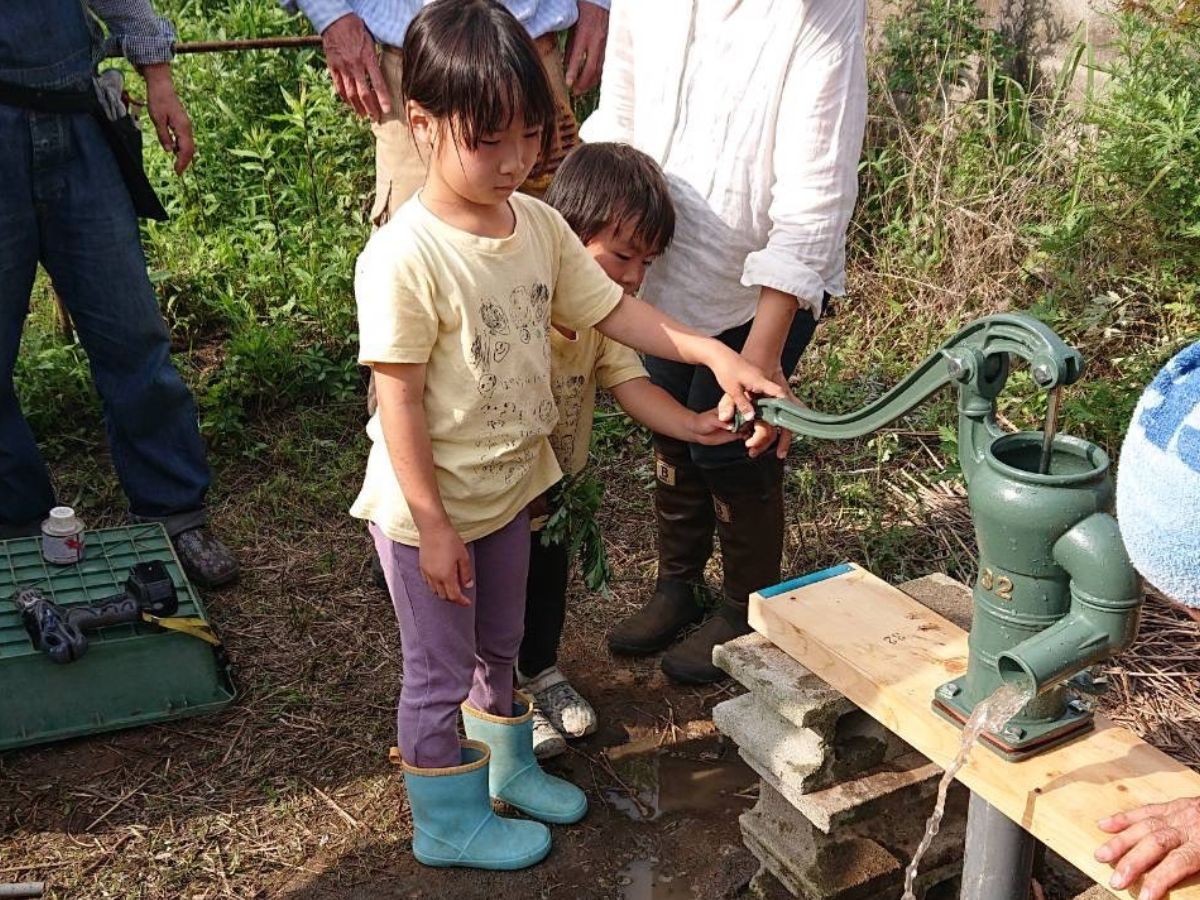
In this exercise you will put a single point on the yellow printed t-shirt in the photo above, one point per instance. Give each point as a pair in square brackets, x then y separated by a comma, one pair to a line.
[577, 367]
[476, 311]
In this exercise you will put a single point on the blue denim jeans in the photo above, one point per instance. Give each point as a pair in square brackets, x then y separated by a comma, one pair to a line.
[63, 204]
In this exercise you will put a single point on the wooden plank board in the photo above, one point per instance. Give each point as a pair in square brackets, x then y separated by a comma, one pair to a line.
[887, 653]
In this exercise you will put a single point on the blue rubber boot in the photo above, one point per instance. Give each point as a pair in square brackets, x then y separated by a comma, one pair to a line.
[453, 821]
[515, 776]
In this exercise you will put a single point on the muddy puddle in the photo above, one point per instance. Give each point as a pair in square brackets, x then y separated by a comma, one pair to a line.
[696, 776]
[641, 880]
[700, 778]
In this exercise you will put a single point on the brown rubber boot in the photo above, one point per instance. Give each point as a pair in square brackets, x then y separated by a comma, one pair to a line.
[684, 515]
[748, 499]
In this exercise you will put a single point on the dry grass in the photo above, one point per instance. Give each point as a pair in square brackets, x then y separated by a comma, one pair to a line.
[1156, 683]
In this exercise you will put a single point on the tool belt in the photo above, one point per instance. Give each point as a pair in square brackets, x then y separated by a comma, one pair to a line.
[123, 136]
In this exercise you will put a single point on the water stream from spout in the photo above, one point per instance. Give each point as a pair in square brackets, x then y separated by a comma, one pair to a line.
[990, 714]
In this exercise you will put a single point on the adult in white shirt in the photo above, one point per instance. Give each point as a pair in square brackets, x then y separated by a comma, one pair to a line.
[755, 109]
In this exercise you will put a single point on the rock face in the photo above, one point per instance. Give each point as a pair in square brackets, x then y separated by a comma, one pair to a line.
[842, 801]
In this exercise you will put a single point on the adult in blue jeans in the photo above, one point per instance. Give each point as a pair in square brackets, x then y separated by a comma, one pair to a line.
[64, 204]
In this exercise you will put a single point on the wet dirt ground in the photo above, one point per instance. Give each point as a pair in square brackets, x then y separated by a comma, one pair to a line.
[665, 790]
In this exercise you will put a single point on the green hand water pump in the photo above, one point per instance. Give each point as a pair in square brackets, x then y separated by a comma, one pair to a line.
[1055, 591]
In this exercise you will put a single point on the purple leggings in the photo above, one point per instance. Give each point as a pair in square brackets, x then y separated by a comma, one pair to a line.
[454, 653]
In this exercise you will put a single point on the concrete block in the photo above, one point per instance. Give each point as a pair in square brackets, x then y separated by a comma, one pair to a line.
[793, 692]
[897, 823]
[794, 850]
[948, 598]
[853, 741]
[812, 865]
[907, 782]
[795, 757]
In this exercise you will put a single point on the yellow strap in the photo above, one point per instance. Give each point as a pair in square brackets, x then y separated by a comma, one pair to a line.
[192, 625]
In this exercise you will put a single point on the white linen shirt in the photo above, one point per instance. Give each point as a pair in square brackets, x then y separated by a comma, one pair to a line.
[755, 109]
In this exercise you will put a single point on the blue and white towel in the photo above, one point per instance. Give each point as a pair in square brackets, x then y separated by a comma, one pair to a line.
[1158, 482]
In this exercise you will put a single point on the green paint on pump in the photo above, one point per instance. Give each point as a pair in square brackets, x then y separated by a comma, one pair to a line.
[1056, 592]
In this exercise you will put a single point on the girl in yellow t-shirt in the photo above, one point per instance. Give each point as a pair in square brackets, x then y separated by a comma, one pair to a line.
[455, 299]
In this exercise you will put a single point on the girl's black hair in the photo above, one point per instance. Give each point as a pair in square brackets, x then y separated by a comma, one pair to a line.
[473, 65]
[605, 184]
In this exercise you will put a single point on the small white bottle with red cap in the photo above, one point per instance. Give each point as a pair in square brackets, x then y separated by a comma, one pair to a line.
[62, 537]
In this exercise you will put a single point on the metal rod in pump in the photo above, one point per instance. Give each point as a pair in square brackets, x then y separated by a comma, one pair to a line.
[1049, 429]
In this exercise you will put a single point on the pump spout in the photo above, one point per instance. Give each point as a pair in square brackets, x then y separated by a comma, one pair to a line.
[1106, 598]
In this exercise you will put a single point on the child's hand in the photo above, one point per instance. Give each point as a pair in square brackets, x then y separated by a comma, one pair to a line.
[445, 564]
[759, 435]
[762, 435]
[709, 428]
[741, 380]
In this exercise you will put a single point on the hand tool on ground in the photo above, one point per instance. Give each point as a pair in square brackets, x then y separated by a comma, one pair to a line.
[58, 631]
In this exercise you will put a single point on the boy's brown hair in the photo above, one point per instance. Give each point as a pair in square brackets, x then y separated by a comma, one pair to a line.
[605, 184]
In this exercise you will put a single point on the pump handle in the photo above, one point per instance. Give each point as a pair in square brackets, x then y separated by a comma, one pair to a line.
[976, 358]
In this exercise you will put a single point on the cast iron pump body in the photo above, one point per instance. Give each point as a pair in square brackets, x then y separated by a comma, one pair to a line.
[1055, 591]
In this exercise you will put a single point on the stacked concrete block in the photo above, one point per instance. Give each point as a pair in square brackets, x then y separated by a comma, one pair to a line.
[843, 801]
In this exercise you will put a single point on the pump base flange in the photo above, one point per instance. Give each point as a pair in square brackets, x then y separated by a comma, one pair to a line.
[1036, 736]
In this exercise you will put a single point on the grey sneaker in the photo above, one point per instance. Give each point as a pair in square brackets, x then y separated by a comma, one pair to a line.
[547, 741]
[554, 698]
[206, 560]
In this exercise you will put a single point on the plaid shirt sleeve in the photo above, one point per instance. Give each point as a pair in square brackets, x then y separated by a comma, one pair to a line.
[135, 31]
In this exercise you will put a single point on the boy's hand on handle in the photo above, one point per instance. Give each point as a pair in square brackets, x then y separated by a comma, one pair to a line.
[759, 435]
[445, 564]
[765, 434]
[709, 428]
[354, 67]
[1160, 842]
[762, 436]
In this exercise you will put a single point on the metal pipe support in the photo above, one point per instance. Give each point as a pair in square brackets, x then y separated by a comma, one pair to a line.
[998, 859]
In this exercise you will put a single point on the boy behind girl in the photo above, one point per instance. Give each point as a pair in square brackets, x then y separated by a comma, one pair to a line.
[616, 200]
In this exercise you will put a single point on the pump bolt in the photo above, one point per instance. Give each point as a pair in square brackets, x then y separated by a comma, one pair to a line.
[1043, 374]
[955, 367]
[949, 690]
[1013, 732]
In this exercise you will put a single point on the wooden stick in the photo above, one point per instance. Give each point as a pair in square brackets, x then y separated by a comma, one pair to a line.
[267, 43]
[332, 804]
[65, 325]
